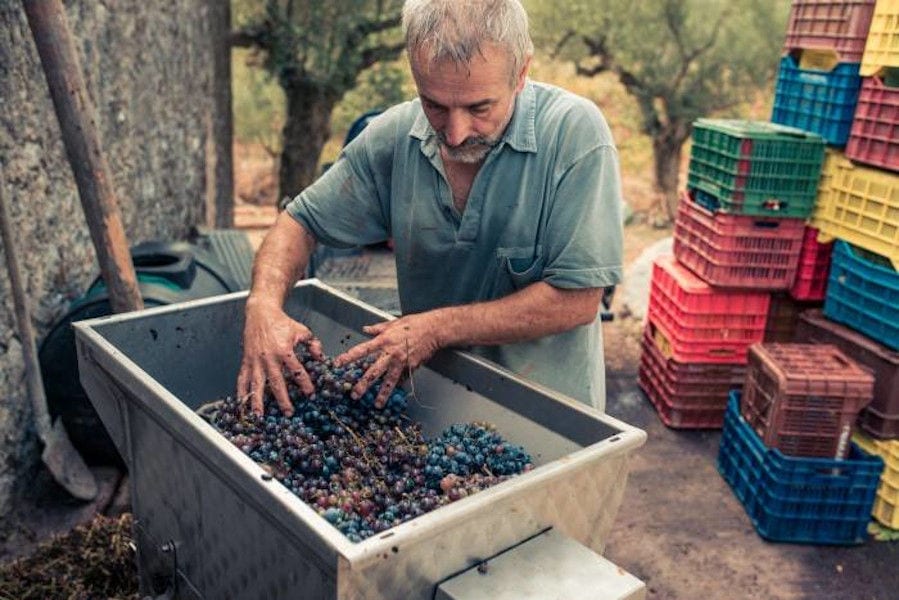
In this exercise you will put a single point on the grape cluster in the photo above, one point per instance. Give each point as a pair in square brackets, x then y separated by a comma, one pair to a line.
[365, 469]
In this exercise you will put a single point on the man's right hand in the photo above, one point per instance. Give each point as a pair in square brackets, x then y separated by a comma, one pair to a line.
[269, 339]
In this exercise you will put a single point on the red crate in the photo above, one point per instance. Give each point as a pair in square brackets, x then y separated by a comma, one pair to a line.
[686, 395]
[838, 25]
[881, 417]
[803, 398]
[783, 317]
[874, 137]
[699, 323]
[737, 251]
[810, 282]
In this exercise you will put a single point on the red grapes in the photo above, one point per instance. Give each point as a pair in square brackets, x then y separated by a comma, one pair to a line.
[361, 468]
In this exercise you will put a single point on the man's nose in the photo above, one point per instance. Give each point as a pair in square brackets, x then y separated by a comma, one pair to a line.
[458, 127]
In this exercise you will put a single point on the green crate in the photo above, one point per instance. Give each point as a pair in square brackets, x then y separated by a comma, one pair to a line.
[756, 167]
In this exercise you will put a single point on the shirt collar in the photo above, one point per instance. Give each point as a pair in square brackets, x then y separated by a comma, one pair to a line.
[520, 134]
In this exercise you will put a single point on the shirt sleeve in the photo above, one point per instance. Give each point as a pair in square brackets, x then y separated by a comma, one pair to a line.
[345, 207]
[584, 233]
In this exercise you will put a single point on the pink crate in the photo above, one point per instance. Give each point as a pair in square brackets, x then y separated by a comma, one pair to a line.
[810, 283]
[874, 138]
[838, 25]
[737, 251]
[697, 323]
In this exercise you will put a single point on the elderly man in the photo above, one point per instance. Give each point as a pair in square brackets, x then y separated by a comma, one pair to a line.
[502, 197]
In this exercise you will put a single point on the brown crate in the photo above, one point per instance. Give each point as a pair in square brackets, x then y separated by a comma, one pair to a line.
[804, 398]
[783, 317]
[881, 417]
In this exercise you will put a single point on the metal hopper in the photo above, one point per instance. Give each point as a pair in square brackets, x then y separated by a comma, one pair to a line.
[211, 524]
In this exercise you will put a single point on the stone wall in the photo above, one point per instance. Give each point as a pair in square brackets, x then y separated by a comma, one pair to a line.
[149, 66]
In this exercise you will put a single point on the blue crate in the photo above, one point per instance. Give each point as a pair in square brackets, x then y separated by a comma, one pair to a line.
[792, 499]
[822, 102]
[863, 293]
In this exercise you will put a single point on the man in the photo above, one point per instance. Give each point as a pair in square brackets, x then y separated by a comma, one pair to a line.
[502, 197]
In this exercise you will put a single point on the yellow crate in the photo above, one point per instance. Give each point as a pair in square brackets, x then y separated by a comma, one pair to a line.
[882, 46]
[885, 513]
[887, 498]
[828, 169]
[867, 443]
[860, 205]
[888, 493]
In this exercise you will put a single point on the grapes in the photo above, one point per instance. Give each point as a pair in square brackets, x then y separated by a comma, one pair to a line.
[363, 469]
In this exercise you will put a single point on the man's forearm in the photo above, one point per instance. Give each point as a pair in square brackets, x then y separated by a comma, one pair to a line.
[280, 261]
[536, 311]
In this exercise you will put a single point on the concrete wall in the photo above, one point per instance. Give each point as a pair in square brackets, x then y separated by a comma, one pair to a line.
[149, 65]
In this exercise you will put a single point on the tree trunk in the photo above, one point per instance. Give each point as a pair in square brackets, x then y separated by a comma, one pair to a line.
[220, 169]
[666, 151]
[306, 129]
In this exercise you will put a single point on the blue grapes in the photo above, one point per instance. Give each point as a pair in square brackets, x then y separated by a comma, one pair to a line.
[363, 469]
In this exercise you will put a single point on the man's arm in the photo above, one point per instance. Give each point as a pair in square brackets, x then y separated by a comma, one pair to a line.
[270, 336]
[404, 344]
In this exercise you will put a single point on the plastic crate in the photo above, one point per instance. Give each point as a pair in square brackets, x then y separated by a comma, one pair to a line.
[874, 138]
[810, 282]
[837, 25]
[882, 46]
[804, 398]
[863, 293]
[686, 395]
[881, 417]
[887, 499]
[860, 205]
[783, 317]
[804, 500]
[818, 101]
[698, 323]
[737, 251]
[756, 167]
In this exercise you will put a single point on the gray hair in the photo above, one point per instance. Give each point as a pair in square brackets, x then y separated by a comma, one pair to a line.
[457, 29]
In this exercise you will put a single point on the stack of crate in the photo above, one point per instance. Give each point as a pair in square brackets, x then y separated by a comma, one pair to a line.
[738, 237]
[857, 210]
[800, 401]
[794, 419]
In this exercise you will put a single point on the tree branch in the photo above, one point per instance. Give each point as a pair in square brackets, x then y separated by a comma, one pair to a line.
[257, 36]
[554, 53]
[379, 53]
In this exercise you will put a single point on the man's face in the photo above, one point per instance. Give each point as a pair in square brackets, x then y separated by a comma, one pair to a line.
[468, 106]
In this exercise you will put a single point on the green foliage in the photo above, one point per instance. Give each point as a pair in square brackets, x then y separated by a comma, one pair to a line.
[321, 44]
[683, 58]
[381, 86]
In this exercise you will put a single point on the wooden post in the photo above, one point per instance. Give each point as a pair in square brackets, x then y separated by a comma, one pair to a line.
[78, 124]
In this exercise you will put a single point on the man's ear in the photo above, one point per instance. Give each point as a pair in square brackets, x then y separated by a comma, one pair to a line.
[523, 74]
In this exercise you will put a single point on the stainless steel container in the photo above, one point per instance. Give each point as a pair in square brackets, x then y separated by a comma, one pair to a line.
[211, 524]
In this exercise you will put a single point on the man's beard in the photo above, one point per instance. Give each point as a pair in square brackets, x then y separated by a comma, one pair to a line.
[473, 150]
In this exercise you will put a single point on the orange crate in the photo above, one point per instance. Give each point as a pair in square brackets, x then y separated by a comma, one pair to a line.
[803, 398]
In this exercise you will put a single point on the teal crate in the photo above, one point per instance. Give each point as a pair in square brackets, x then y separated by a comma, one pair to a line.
[756, 167]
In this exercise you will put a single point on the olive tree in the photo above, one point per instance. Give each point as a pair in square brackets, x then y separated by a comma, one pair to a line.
[315, 51]
[679, 59]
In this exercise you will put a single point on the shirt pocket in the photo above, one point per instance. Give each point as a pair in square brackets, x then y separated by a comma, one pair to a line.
[520, 266]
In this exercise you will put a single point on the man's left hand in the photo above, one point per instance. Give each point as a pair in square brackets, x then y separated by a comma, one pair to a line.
[399, 347]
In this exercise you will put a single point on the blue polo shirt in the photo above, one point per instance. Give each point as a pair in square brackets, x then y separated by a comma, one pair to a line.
[545, 206]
